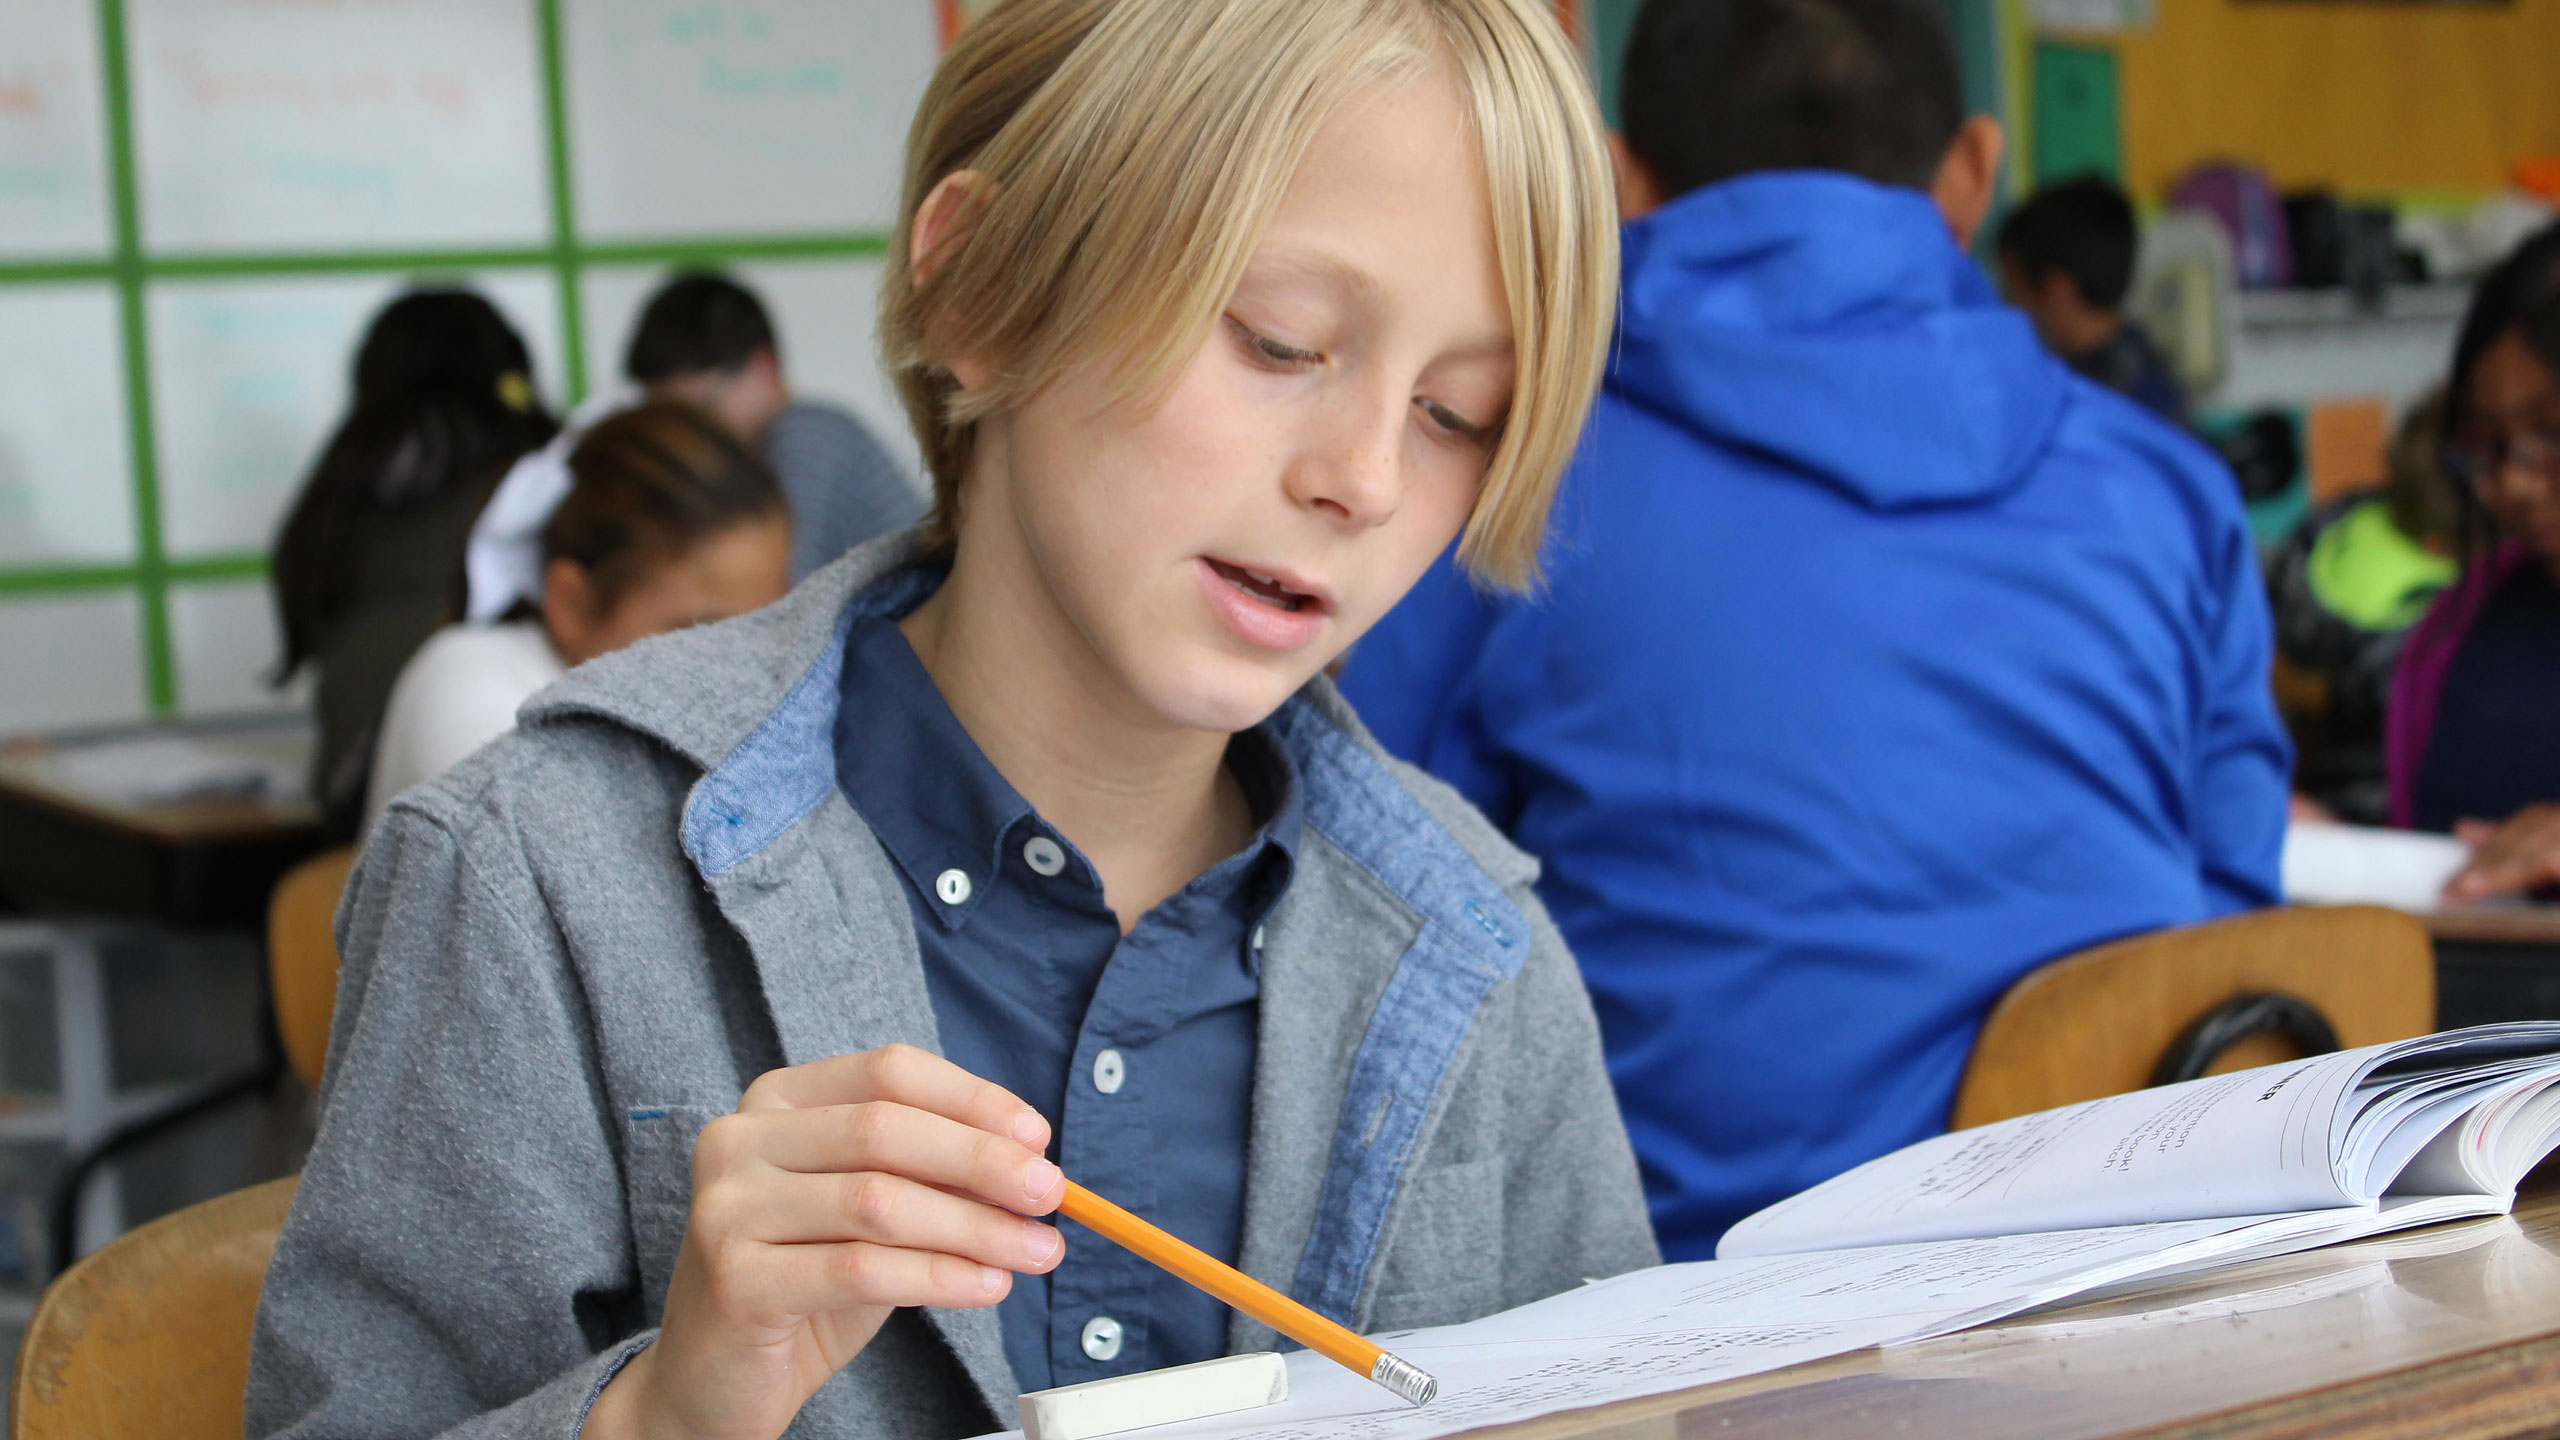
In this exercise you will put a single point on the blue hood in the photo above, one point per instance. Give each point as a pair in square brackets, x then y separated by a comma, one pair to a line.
[1760, 310]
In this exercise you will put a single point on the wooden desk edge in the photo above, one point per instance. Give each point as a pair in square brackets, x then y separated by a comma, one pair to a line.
[2495, 926]
[196, 822]
[2496, 1392]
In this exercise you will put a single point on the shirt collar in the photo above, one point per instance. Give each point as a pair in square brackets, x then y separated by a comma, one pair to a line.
[939, 805]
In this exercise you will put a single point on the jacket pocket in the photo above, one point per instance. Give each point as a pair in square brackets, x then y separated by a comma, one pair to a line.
[657, 1169]
[1443, 1259]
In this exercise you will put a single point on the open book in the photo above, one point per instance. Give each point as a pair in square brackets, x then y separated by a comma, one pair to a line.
[1971, 1227]
[2389, 1136]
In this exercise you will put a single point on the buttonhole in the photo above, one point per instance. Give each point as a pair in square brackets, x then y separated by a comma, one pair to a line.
[1378, 1120]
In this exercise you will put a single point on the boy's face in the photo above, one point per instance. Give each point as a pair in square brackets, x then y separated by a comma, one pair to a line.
[1205, 557]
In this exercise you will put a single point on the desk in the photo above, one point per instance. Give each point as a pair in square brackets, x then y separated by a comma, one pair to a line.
[66, 850]
[87, 857]
[2496, 963]
[2451, 1333]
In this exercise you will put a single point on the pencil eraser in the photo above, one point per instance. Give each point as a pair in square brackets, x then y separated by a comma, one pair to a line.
[1155, 1397]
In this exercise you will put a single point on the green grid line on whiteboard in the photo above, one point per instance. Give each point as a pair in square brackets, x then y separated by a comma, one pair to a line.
[131, 265]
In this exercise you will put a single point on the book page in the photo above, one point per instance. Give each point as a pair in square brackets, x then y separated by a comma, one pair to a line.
[1678, 1326]
[2253, 1143]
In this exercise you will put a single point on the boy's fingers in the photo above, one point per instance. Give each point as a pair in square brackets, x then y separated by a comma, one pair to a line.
[795, 1209]
[909, 1076]
[805, 1279]
[880, 1136]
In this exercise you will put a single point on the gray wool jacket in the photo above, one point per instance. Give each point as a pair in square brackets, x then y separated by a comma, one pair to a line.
[572, 951]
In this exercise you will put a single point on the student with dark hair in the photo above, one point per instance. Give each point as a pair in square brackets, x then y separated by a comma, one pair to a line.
[2066, 258]
[669, 521]
[2473, 735]
[1881, 659]
[705, 339]
[366, 564]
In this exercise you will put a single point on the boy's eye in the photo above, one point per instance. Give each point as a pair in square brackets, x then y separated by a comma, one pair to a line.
[1269, 350]
[1452, 422]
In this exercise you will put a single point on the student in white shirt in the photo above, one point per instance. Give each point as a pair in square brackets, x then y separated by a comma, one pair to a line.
[669, 521]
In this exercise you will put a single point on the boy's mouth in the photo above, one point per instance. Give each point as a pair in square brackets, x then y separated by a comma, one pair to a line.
[1266, 588]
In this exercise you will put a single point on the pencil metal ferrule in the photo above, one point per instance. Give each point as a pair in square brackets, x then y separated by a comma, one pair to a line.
[1416, 1387]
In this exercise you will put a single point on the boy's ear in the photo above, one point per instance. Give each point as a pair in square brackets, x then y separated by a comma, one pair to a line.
[1639, 189]
[943, 220]
[1968, 177]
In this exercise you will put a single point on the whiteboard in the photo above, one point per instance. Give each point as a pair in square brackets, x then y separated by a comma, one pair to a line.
[825, 316]
[86, 646]
[406, 123]
[690, 117]
[66, 477]
[53, 166]
[226, 642]
[248, 378]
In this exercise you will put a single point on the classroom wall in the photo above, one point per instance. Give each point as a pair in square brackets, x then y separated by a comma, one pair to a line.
[203, 201]
[2370, 98]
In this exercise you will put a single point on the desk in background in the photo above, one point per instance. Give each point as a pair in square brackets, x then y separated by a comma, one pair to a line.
[2496, 963]
[2451, 1333]
[186, 826]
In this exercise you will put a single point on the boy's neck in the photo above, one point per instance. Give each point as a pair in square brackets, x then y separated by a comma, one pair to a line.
[1151, 804]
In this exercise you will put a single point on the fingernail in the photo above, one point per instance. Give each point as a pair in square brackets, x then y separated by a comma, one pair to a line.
[1039, 1243]
[1039, 1178]
[990, 1280]
[1031, 1130]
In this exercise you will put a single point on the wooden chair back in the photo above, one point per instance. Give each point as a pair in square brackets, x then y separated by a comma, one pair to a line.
[302, 957]
[148, 1337]
[2097, 1023]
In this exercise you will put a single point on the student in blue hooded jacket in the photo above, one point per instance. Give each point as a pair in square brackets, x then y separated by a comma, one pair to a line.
[1881, 659]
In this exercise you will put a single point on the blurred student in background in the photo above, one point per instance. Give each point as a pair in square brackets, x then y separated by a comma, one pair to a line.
[2474, 729]
[366, 565]
[1881, 660]
[2348, 584]
[706, 340]
[2066, 258]
[670, 521]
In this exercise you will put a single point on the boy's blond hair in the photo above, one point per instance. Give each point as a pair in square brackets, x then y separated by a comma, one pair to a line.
[1132, 152]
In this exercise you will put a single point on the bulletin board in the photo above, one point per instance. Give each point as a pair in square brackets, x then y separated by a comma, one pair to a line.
[202, 202]
[2372, 99]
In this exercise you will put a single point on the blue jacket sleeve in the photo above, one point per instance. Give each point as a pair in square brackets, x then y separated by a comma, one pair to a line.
[2244, 760]
[1412, 678]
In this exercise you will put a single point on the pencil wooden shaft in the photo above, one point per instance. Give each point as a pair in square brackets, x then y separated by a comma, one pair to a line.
[1226, 1282]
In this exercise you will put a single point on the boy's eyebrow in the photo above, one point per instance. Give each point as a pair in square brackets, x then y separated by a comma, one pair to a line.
[1361, 288]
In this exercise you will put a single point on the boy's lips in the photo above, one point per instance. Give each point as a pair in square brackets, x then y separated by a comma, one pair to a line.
[1269, 609]
[1279, 588]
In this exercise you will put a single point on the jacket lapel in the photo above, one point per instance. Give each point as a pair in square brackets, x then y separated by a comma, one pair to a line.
[834, 987]
[1324, 966]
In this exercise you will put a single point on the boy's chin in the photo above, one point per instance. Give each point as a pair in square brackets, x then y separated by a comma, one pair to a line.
[1224, 695]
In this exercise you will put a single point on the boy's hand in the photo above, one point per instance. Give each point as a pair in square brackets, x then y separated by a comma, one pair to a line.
[2510, 859]
[841, 1190]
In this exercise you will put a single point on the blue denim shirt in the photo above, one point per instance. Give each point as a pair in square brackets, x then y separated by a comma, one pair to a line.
[1139, 1049]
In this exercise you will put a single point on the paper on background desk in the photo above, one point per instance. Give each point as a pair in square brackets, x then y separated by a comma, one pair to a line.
[1679, 1326]
[2328, 864]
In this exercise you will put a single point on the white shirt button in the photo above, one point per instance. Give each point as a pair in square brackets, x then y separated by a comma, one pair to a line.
[1257, 939]
[1109, 1073]
[952, 886]
[1043, 855]
[1101, 1338]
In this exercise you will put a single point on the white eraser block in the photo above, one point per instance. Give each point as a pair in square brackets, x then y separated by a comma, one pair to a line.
[1155, 1397]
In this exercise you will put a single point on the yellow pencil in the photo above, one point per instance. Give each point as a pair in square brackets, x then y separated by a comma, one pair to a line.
[1247, 1294]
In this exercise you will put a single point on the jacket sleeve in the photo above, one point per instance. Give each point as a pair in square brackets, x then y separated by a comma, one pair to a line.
[1571, 1179]
[458, 1260]
[2244, 761]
